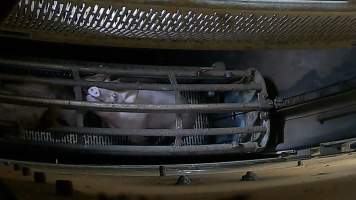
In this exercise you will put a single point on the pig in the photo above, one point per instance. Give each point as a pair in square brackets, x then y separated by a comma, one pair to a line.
[127, 120]
[28, 117]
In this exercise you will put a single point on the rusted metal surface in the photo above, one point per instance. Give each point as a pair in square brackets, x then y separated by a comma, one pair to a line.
[146, 170]
[201, 24]
[326, 178]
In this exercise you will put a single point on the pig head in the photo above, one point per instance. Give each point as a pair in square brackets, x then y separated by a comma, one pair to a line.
[127, 120]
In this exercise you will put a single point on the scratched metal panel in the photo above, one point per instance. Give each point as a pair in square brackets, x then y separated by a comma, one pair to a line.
[197, 25]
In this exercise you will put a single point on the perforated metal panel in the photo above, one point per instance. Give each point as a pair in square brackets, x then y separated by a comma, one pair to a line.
[180, 26]
[47, 137]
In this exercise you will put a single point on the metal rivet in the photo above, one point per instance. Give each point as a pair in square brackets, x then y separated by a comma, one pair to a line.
[184, 180]
[64, 188]
[249, 176]
[39, 177]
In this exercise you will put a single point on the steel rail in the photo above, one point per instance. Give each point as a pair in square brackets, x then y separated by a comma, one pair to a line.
[139, 108]
[132, 150]
[133, 86]
[130, 70]
[159, 132]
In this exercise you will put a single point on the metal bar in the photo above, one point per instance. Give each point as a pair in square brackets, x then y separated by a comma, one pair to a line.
[79, 97]
[212, 149]
[139, 108]
[322, 93]
[179, 119]
[160, 132]
[128, 150]
[134, 86]
[145, 169]
[130, 70]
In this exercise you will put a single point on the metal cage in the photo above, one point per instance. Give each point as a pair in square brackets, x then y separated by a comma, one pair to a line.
[195, 84]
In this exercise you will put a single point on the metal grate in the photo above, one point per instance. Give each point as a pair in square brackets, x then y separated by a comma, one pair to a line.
[178, 25]
[201, 120]
[47, 137]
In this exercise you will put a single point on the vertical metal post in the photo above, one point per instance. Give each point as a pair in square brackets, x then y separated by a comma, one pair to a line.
[78, 97]
[179, 119]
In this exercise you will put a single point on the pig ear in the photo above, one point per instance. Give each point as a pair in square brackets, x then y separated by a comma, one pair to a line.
[96, 77]
[130, 96]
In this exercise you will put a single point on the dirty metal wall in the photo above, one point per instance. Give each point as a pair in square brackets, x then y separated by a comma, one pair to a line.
[295, 72]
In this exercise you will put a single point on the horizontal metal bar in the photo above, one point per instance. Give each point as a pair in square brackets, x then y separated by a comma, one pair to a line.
[160, 132]
[129, 70]
[139, 108]
[212, 149]
[131, 150]
[315, 95]
[134, 86]
[145, 169]
[283, 4]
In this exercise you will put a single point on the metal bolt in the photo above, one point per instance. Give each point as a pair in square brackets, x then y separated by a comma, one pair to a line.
[64, 188]
[264, 115]
[249, 176]
[26, 171]
[300, 163]
[211, 93]
[263, 95]
[228, 74]
[184, 180]
[39, 177]
[219, 65]
[162, 171]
